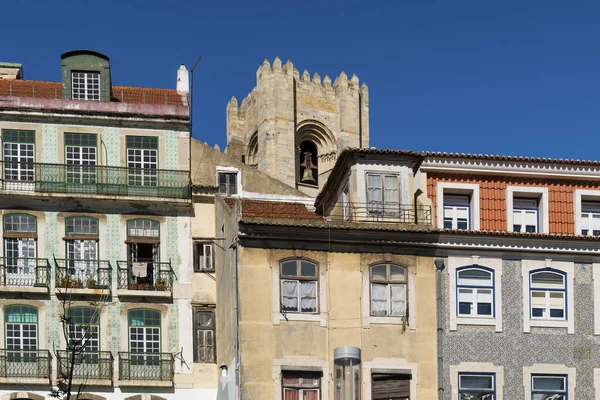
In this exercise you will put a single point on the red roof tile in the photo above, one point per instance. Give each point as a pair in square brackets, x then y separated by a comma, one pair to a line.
[273, 210]
[122, 94]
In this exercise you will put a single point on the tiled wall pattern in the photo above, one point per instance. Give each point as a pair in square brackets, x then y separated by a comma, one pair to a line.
[112, 138]
[50, 143]
[171, 152]
[113, 254]
[174, 328]
[51, 240]
[514, 349]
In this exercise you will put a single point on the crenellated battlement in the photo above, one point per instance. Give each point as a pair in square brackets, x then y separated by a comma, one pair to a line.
[285, 106]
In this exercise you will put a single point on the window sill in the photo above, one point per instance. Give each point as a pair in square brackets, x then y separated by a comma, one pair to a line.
[476, 321]
[200, 271]
[321, 318]
[390, 321]
[548, 323]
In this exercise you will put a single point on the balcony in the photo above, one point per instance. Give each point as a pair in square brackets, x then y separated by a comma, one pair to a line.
[30, 366]
[93, 368]
[24, 275]
[145, 278]
[95, 180]
[145, 369]
[83, 277]
[383, 213]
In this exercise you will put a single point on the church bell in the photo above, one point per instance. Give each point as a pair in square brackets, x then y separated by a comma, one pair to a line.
[308, 175]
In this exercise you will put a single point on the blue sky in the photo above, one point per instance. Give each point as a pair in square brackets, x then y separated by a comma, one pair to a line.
[510, 77]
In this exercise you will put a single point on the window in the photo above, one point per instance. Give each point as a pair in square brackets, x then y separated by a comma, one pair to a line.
[204, 338]
[525, 215]
[203, 257]
[387, 386]
[143, 243]
[82, 249]
[19, 158]
[307, 161]
[143, 228]
[142, 160]
[299, 286]
[301, 385]
[86, 85]
[80, 157]
[346, 206]
[228, 183]
[83, 329]
[476, 386]
[21, 331]
[548, 387]
[388, 290]
[456, 212]
[548, 294]
[20, 245]
[475, 288]
[144, 336]
[383, 194]
[590, 218]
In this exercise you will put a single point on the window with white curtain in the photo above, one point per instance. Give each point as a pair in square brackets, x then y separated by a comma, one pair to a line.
[299, 287]
[590, 218]
[525, 215]
[475, 288]
[388, 290]
[383, 194]
[548, 294]
[456, 212]
[301, 385]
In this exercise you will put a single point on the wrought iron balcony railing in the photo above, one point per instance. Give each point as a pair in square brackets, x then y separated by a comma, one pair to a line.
[21, 271]
[87, 365]
[80, 274]
[383, 212]
[95, 180]
[16, 363]
[145, 366]
[146, 275]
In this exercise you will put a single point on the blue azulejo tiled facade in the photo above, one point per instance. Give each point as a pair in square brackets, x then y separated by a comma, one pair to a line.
[514, 351]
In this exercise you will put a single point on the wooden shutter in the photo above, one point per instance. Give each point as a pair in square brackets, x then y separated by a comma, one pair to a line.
[390, 386]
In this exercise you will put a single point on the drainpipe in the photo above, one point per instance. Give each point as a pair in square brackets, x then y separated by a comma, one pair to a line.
[236, 322]
[439, 268]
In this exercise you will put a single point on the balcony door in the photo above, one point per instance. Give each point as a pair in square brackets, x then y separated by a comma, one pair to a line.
[144, 344]
[81, 157]
[19, 158]
[21, 333]
[84, 341]
[83, 256]
[20, 246]
[142, 162]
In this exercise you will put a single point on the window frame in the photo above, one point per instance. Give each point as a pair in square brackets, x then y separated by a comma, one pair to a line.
[87, 94]
[455, 207]
[199, 259]
[470, 373]
[24, 168]
[565, 378]
[523, 209]
[159, 326]
[133, 220]
[299, 278]
[581, 196]
[459, 189]
[300, 387]
[528, 192]
[197, 327]
[228, 185]
[81, 308]
[492, 288]
[547, 291]
[81, 170]
[381, 209]
[388, 282]
[142, 176]
[21, 323]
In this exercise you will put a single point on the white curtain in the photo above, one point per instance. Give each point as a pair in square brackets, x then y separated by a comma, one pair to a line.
[378, 299]
[391, 196]
[309, 296]
[374, 195]
[398, 299]
[289, 295]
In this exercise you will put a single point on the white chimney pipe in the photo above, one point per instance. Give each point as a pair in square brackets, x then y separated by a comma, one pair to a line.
[183, 80]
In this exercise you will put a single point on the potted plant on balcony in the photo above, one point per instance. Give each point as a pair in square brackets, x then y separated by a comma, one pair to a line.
[133, 286]
[161, 284]
[77, 284]
[91, 283]
[63, 283]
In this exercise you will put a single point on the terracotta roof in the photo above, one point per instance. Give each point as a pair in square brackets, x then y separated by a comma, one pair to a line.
[493, 157]
[273, 210]
[122, 94]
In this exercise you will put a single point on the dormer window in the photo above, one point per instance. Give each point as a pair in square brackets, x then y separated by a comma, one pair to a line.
[85, 85]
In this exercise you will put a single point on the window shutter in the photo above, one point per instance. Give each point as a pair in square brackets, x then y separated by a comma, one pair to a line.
[390, 386]
[197, 331]
[391, 193]
[374, 195]
[196, 257]
[208, 256]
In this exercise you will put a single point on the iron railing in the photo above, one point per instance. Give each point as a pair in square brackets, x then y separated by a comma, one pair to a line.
[16, 363]
[147, 275]
[145, 366]
[22, 271]
[94, 179]
[78, 274]
[87, 365]
[383, 212]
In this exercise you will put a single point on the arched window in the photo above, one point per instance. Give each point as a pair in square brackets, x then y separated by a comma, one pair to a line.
[21, 329]
[143, 244]
[81, 240]
[308, 162]
[84, 329]
[548, 294]
[388, 290]
[20, 249]
[144, 332]
[299, 288]
[143, 228]
[475, 288]
[252, 156]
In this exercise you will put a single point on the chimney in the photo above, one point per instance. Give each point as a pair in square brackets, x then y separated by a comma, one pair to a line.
[11, 71]
[183, 80]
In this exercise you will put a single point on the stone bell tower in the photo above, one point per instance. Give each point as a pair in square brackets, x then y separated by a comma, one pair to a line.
[288, 119]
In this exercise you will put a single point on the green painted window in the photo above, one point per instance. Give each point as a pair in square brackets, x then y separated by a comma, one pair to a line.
[84, 328]
[81, 139]
[20, 223]
[143, 228]
[14, 136]
[81, 226]
[20, 329]
[144, 335]
[142, 142]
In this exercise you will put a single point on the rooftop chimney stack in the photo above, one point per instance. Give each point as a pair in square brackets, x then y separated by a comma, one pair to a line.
[11, 71]
[183, 80]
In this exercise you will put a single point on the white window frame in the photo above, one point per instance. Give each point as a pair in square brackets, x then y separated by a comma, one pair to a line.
[495, 264]
[455, 207]
[201, 259]
[477, 368]
[579, 196]
[392, 366]
[568, 268]
[549, 369]
[475, 291]
[411, 298]
[539, 193]
[230, 170]
[404, 173]
[320, 316]
[458, 189]
[547, 291]
[87, 93]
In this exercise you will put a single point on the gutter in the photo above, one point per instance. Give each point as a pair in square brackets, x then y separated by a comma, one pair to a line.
[439, 268]
[236, 326]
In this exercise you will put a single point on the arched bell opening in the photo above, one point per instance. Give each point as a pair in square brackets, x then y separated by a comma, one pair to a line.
[308, 163]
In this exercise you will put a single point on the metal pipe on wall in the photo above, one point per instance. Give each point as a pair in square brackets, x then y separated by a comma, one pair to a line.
[439, 268]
